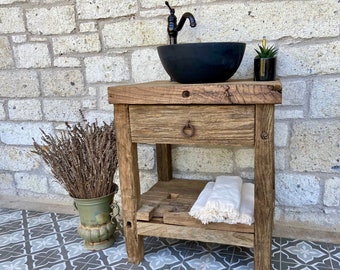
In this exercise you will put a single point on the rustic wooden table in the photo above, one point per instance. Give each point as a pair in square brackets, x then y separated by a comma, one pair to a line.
[165, 113]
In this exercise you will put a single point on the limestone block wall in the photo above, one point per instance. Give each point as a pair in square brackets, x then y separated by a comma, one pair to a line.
[59, 56]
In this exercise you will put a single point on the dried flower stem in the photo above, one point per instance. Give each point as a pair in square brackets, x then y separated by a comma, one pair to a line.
[83, 159]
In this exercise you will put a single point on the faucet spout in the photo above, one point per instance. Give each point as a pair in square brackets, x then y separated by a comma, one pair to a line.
[173, 28]
[186, 15]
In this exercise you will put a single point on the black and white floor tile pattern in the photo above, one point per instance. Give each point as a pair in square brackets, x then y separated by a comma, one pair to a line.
[31, 240]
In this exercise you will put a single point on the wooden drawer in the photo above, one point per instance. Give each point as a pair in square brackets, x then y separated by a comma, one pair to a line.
[194, 124]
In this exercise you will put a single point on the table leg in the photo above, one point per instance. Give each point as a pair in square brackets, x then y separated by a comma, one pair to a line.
[164, 163]
[264, 186]
[129, 183]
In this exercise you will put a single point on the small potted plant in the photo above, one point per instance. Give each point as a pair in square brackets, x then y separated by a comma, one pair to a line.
[265, 62]
[83, 159]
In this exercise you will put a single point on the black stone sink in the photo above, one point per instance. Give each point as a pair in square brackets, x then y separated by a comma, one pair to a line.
[201, 62]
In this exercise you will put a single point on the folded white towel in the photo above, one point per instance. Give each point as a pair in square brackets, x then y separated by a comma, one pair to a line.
[227, 200]
[247, 204]
[197, 210]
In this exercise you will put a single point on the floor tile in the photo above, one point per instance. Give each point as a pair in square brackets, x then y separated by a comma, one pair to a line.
[207, 261]
[310, 253]
[41, 241]
[334, 252]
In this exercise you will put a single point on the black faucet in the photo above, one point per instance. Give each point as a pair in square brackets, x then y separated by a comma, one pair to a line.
[173, 28]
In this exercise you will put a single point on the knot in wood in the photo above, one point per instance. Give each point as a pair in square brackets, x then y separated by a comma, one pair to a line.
[226, 91]
[264, 135]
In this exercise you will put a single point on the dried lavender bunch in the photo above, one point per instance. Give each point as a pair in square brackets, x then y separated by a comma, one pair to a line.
[83, 159]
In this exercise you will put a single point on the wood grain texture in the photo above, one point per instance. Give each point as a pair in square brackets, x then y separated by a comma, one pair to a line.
[232, 125]
[195, 234]
[264, 185]
[129, 183]
[145, 213]
[184, 219]
[164, 162]
[166, 92]
[183, 187]
[172, 196]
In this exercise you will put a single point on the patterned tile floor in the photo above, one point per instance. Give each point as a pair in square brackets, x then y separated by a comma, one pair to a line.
[39, 240]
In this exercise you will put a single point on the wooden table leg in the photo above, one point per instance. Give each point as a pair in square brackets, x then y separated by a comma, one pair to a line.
[164, 162]
[129, 183]
[264, 186]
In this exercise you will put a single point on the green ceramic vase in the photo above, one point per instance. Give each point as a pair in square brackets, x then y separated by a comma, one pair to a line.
[96, 227]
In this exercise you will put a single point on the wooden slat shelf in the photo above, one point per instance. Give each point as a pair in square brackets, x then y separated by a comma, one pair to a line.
[169, 203]
[195, 234]
[229, 113]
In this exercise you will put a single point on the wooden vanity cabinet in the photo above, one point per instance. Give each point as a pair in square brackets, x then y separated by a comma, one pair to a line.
[165, 113]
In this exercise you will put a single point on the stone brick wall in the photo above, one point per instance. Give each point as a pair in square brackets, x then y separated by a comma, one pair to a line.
[59, 56]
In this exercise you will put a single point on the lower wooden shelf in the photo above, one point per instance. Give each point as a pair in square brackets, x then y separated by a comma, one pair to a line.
[164, 213]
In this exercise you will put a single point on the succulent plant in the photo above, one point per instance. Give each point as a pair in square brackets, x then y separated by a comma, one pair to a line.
[266, 52]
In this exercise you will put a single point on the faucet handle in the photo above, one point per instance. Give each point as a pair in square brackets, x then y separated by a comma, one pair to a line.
[172, 10]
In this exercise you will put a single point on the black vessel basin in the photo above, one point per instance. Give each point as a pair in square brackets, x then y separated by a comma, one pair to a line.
[201, 62]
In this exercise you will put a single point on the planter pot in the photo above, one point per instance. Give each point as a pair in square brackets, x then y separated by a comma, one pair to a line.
[96, 227]
[264, 69]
